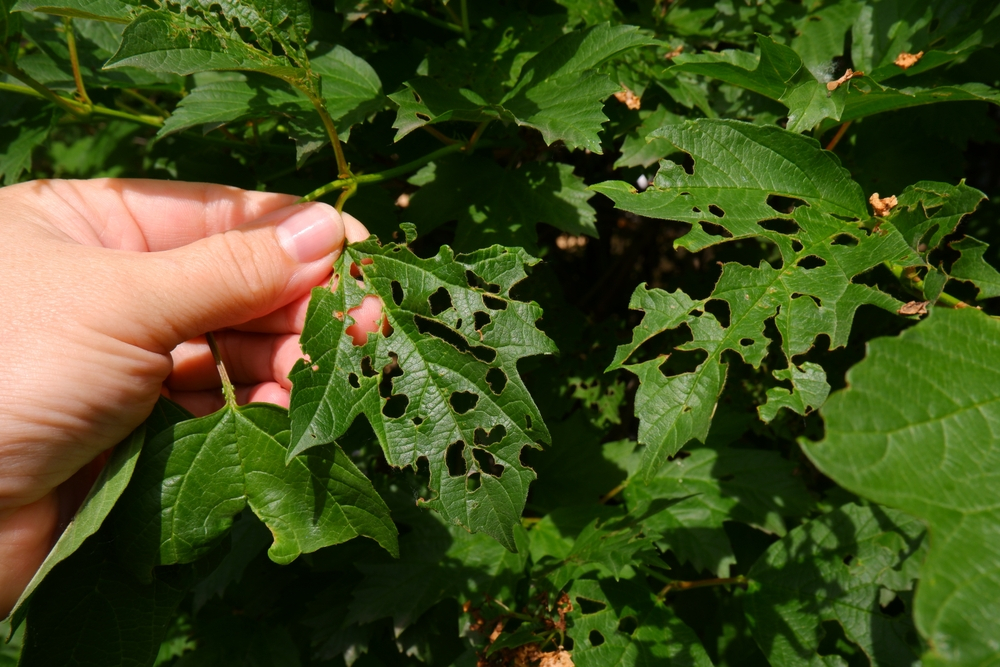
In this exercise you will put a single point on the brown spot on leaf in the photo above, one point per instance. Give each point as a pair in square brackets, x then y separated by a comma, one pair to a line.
[848, 75]
[882, 206]
[907, 60]
[677, 50]
[628, 98]
[914, 308]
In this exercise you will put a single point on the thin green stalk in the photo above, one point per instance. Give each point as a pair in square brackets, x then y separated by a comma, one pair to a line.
[74, 60]
[915, 285]
[227, 385]
[68, 105]
[434, 20]
[76, 109]
[148, 102]
[343, 169]
[704, 583]
[364, 179]
[653, 573]
[465, 21]
[346, 194]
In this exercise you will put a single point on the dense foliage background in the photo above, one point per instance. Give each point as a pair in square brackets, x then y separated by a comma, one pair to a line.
[626, 453]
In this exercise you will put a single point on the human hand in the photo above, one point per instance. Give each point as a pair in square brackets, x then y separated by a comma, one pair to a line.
[106, 288]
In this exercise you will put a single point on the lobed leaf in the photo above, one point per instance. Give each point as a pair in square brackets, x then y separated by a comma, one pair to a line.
[933, 455]
[443, 383]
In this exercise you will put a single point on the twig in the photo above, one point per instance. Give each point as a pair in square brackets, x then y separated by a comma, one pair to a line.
[74, 60]
[478, 133]
[439, 135]
[465, 21]
[704, 583]
[433, 19]
[913, 283]
[612, 493]
[840, 133]
[227, 385]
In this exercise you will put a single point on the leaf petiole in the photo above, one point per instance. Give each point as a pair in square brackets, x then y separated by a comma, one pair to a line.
[227, 386]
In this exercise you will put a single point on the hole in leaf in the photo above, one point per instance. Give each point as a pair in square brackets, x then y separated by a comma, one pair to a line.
[796, 246]
[746, 342]
[481, 319]
[628, 625]
[595, 638]
[484, 439]
[588, 606]
[476, 282]
[845, 239]
[366, 367]
[494, 302]
[417, 421]
[355, 271]
[682, 361]
[810, 262]
[716, 230]
[784, 204]
[473, 482]
[816, 300]
[780, 225]
[720, 309]
[455, 459]
[422, 116]
[848, 558]
[339, 314]
[440, 301]
[894, 608]
[688, 163]
[497, 380]
[695, 209]
[486, 354]
[397, 293]
[353, 379]
[716, 211]
[389, 371]
[427, 326]
[487, 463]
[463, 401]
[527, 422]
[395, 407]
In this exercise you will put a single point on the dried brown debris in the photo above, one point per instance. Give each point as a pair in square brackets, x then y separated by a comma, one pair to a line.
[881, 207]
[907, 60]
[676, 51]
[848, 75]
[628, 98]
[914, 308]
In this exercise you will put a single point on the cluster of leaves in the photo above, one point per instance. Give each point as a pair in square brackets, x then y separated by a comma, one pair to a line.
[719, 471]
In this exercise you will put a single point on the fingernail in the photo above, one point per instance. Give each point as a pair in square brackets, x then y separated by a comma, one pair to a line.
[311, 233]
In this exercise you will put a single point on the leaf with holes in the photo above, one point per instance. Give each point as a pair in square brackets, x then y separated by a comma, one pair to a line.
[823, 245]
[195, 477]
[440, 383]
[973, 267]
[934, 455]
[843, 568]
[926, 212]
[622, 623]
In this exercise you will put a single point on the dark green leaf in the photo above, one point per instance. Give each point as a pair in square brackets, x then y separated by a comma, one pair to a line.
[193, 478]
[445, 378]
[501, 206]
[927, 212]
[973, 267]
[932, 454]
[834, 569]
[117, 11]
[20, 135]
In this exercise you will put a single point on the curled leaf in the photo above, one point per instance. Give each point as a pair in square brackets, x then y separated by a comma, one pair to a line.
[914, 308]
[882, 206]
[628, 98]
[848, 75]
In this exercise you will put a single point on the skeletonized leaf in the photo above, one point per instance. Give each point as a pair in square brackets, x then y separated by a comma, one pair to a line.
[934, 455]
[443, 384]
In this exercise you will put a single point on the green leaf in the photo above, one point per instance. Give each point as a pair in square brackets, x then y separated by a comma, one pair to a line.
[20, 135]
[933, 455]
[117, 11]
[709, 487]
[927, 212]
[624, 624]
[729, 190]
[836, 569]
[559, 91]
[442, 385]
[114, 619]
[193, 478]
[820, 36]
[500, 206]
[182, 43]
[641, 150]
[866, 98]
[96, 507]
[973, 267]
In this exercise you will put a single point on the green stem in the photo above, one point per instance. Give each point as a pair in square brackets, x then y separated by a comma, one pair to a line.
[343, 170]
[43, 92]
[915, 285]
[74, 108]
[227, 385]
[364, 179]
[653, 573]
[465, 21]
[346, 194]
[74, 61]
[612, 493]
[434, 20]
[148, 102]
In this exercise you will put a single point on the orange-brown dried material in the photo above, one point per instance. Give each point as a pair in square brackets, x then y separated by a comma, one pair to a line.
[914, 308]
[560, 658]
[880, 206]
[676, 51]
[628, 98]
[907, 60]
[848, 75]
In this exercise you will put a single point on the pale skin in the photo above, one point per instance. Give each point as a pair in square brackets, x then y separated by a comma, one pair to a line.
[107, 288]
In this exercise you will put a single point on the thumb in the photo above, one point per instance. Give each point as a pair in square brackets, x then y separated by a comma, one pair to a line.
[229, 278]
